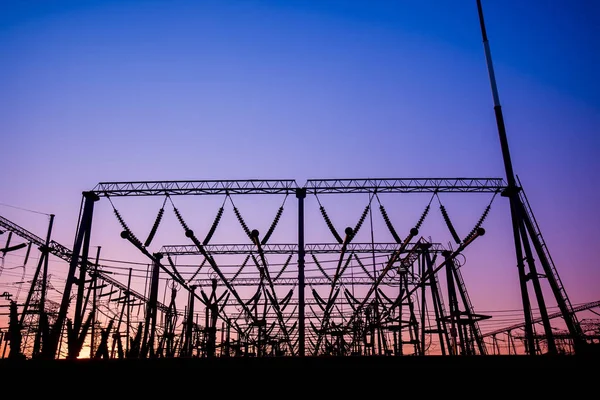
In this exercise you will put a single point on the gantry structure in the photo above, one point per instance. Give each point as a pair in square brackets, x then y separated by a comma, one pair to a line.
[402, 297]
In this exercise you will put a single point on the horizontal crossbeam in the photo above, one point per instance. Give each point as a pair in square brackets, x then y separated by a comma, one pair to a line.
[157, 188]
[390, 281]
[405, 185]
[316, 248]
[288, 186]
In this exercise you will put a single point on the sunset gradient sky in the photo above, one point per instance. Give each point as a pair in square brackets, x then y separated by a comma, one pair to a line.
[99, 91]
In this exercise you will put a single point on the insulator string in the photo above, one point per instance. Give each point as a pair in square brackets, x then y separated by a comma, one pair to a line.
[274, 223]
[425, 212]
[336, 235]
[481, 219]
[179, 217]
[156, 224]
[240, 219]
[360, 221]
[388, 223]
[132, 237]
[448, 222]
[213, 226]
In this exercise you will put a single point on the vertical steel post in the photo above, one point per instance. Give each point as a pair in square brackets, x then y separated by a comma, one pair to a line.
[128, 312]
[190, 323]
[43, 261]
[79, 306]
[85, 229]
[402, 274]
[43, 317]
[94, 283]
[437, 302]
[227, 345]
[32, 289]
[301, 195]
[452, 303]
[151, 307]
[423, 307]
[117, 334]
[5, 345]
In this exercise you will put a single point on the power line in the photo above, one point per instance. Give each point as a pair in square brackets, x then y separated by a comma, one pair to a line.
[24, 209]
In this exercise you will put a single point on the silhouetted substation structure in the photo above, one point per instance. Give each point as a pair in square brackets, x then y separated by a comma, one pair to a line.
[346, 297]
[349, 297]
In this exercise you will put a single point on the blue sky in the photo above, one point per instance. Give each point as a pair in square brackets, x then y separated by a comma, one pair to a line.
[96, 91]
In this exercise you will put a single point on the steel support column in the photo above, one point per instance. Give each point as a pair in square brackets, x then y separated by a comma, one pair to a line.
[301, 195]
[42, 265]
[84, 230]
[151, 308]
[189, 325]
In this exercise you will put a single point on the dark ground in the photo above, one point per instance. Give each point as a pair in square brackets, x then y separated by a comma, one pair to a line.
[362, 378]
[357, 363]
[405, 365]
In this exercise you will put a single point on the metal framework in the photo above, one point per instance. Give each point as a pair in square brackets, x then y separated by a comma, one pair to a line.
[288, 186]
[587, 306]
[287, 248]
[66, 254]
[400, 253]
[366, 322]
[407, 185]
[388, 307]
[310, 281]
[203, 187]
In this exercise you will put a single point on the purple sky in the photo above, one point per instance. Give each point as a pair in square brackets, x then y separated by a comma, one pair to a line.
[97, 91]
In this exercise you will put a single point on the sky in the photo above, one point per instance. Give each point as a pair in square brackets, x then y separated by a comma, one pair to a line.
[114, 91]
